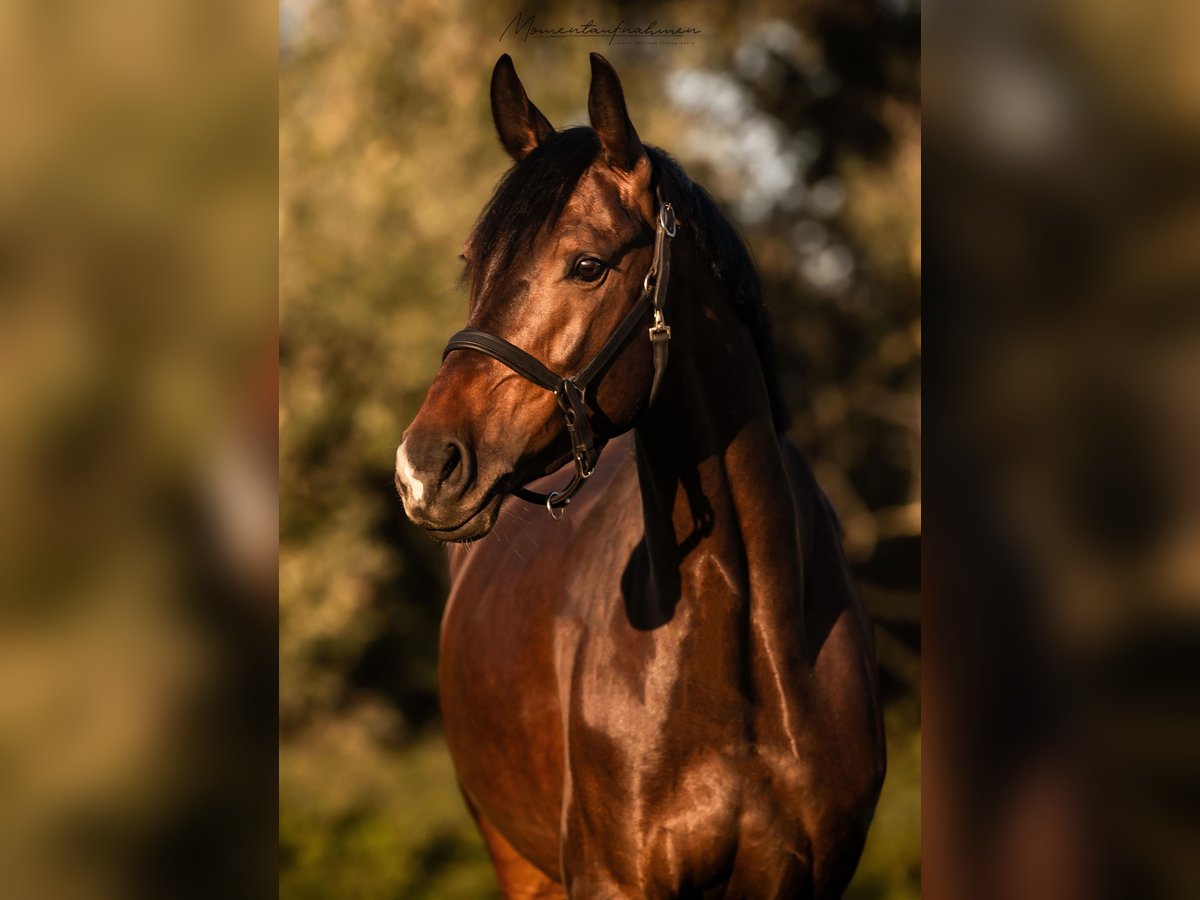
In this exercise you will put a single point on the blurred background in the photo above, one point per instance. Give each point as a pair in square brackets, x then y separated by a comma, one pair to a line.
[803, 120]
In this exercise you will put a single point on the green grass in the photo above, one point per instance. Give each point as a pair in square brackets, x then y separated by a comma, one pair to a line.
[360, 822]
[890, 868]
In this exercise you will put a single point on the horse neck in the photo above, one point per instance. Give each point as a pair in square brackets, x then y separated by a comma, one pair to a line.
[718, 509]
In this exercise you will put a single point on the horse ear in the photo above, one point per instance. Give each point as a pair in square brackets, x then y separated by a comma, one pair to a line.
[519, 123]
[606, 109]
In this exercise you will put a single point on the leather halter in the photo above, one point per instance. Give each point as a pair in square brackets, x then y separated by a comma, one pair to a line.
[570, 390]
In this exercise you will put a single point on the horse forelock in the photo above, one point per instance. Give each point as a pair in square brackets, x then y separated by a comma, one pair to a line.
[530, 196]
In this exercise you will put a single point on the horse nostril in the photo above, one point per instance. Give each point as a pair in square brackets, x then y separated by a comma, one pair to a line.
[454, 458]
[433, 468]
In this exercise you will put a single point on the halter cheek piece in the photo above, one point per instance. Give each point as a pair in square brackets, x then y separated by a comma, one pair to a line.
[570, 390]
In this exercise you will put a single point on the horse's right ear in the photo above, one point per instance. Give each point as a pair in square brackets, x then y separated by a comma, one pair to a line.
[519, 123]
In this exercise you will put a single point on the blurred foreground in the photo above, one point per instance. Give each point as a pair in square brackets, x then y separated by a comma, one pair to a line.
[1062, 553]
[138, 527]
[138, 226]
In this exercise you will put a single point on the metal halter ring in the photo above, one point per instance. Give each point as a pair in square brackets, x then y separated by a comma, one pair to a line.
[562, 510]
[665, 212]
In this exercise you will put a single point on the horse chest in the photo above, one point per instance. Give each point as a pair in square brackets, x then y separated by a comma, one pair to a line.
[613, 754]
[710, 816]
[664, 779]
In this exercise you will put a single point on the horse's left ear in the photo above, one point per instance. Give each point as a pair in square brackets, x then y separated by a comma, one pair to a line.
[519, 123]
[606, 109]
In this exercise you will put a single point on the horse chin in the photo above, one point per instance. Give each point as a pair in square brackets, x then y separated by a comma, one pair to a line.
[476, 525]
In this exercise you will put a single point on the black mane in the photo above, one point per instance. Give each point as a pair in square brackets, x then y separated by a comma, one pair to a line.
[721, 244]
[533, 193]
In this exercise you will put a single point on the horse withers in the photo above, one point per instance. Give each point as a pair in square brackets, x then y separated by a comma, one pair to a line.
[662, 684]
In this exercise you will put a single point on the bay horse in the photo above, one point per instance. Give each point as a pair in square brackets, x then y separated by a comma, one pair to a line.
[666, 687]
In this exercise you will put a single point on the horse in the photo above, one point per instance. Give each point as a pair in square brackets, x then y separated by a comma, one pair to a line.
[663, 684]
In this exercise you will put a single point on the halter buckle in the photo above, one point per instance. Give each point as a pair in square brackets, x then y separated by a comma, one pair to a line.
[660, 331]
[581, 455]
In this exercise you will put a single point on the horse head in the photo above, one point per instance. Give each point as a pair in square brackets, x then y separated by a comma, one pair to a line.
[557, 265]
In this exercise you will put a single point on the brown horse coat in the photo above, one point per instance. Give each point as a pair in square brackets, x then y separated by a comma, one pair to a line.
[671, 692]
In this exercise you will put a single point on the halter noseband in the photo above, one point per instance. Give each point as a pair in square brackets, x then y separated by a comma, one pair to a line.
[585, 446]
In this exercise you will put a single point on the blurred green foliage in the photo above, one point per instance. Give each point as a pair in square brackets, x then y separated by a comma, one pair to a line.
[802, 119]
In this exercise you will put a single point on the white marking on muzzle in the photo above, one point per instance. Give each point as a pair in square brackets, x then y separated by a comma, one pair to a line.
[406, 473]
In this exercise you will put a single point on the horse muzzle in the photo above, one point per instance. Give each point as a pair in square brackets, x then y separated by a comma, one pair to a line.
[437, 479]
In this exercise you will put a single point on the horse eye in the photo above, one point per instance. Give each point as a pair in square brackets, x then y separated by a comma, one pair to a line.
[588, 268]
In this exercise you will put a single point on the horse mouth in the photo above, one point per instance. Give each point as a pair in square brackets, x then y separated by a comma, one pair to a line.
[476, 525]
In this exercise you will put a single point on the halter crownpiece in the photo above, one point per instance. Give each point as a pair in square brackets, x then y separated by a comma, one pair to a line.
[570, 390]
[656, 279]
